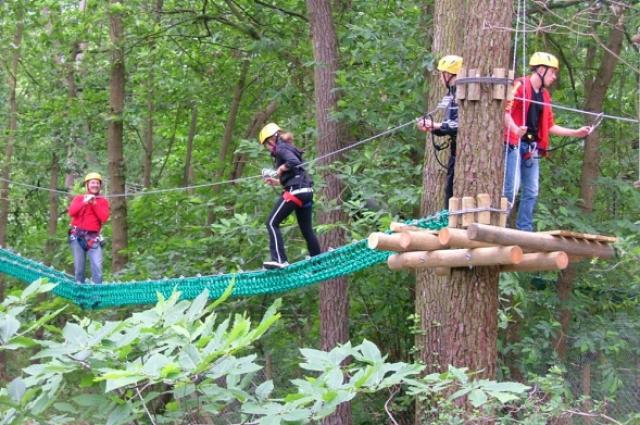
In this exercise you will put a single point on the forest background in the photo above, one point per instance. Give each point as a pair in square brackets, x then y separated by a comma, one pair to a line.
[196, 80]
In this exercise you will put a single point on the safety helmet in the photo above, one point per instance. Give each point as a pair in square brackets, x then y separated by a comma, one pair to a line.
[451, 64]
[544, 59]
[92, 176]
[268, 131]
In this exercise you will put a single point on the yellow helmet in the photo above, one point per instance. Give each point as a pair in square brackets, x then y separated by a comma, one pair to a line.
[544, 59]
[451, 64]
[92, 176]
[268, 131]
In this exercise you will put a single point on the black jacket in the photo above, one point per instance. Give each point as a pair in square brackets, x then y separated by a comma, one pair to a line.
[296, 176]
[450, 122]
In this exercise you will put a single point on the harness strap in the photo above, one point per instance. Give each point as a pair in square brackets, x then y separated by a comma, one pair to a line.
[290, 197]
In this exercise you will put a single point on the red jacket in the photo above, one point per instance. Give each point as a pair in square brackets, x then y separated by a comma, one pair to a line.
[522, 89]
[90, 216]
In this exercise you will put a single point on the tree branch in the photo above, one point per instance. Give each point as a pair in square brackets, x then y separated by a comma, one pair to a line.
[286, 12]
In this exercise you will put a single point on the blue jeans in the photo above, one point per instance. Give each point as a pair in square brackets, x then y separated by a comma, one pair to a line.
[527, 175]
[80, 259]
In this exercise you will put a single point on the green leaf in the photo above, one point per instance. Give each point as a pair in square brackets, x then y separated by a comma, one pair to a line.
[477, 397]
[16, 389]
[9, 325]
[264, 390]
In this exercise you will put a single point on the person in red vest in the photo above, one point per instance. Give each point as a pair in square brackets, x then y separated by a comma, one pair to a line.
[528, 124]
[88, 213]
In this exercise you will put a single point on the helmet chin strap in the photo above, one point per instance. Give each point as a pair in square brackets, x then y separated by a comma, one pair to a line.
[546, 69]
[447, 81]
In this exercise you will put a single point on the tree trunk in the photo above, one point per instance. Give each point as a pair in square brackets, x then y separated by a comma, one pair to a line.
[334, 299]
[228, 132]
[590, 167]
[468, 330]
[52, 228]
[147, 164]
[115, 141]
[8, 155]
[187, 175]
[259, 120]
[430, 288]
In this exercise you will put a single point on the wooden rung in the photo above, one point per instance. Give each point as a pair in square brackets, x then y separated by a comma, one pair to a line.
[499, 89]
[539, 261]
[495, 255]
[419, 241]
[510, 92]
[504, 204]
[473, 93]
[384, 242]
[536, 241]
[454, 206]
[467, 218]
[457, 238]
[461, 90]
[484, 201]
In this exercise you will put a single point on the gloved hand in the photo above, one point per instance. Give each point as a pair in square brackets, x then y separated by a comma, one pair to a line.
[269, 173]
[89, 198]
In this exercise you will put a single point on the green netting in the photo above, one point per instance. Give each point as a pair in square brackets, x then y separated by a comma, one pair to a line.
[335, 263]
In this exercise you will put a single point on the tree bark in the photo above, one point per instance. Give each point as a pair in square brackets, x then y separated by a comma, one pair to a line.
[432, 290]
[115, 141]
[228, 132]
[334, 300]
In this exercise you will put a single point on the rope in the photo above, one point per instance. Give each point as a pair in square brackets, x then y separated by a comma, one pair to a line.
[342, 261]
[582, 111]
[218, 183]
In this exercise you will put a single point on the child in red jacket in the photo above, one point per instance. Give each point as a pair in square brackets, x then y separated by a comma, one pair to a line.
[88, 213]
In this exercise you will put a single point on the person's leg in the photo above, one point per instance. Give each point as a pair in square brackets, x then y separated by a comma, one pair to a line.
[448, 190]
[305, 222]
[281, 210]
[95, 260]
[530, 171]
[79, 260]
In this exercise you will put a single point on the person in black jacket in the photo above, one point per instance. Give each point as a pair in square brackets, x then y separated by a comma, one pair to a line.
[449, 67]
[297, 196]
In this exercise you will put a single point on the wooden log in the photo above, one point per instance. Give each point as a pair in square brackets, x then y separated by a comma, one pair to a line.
[473, 93]
[504, 205]
[384, 242]
[495, 255]
[484, 201]
[419, 241]
[461, 90]
[457, 238]
[537, 241]
[467, 218]
[454, 207]
[539, 261]
[499, 89]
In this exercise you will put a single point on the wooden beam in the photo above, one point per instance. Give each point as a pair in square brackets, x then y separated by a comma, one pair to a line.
[484, 201]
[454, 207]
[457, 238]
[384, 241]
[537, 241]
[401, 227]
[539, 261]
[419, 241]
[468, 203]
[491, 256]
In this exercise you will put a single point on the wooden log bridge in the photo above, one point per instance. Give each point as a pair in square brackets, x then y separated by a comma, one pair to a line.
[479, 244]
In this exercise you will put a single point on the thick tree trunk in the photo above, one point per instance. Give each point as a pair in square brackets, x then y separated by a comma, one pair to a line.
[431, 289]
[467, 334]
[228, 132]
[597, 92]
[8, 153]
[115, 141]
[334, 299]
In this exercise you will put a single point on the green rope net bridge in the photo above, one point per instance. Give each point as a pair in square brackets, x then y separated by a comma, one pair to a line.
[335, 263]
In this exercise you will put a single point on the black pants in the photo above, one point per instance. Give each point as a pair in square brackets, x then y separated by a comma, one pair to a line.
[282, 210]
[448, 189]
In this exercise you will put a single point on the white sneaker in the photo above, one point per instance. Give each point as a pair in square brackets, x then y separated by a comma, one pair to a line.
[272, 265]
